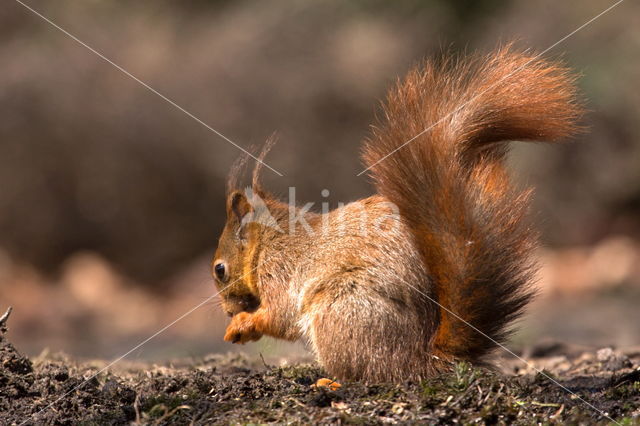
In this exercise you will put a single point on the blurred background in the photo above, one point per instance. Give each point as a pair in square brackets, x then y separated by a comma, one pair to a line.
[111, 199]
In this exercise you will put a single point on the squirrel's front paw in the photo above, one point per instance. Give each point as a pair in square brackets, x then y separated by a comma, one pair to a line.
[242, 329]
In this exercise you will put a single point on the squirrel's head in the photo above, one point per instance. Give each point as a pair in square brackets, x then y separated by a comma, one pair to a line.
[232, 263]
[234, 266]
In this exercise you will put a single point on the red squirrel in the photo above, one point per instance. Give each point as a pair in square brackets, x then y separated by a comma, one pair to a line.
[434, 267]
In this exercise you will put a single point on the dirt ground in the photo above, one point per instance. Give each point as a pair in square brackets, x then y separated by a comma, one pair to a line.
[219, 389]
[590, 299]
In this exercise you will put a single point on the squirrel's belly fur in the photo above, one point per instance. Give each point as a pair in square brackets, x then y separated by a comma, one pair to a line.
[436, 266]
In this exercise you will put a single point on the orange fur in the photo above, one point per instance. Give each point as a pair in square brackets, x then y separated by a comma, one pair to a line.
[361, 287]
[451, 187]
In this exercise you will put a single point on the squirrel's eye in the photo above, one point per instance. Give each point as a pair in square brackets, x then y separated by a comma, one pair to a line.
[220, 270]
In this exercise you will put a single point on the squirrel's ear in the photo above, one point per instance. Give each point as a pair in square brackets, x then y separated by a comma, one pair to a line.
[238, 206]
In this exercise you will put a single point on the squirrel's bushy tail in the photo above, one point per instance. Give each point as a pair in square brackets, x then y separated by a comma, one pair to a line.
[452, 190]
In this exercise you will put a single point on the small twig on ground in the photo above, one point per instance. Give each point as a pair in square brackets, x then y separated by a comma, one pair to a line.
[136, 407]
[634, 376]
[267, 366]
[4, 318]
[292, 399]
[557, 413]
[171, 413]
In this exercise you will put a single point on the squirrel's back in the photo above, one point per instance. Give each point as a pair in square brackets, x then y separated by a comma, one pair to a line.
[438, 154]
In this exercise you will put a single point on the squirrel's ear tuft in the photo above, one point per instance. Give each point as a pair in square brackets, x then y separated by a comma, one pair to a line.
[238, 206]
[255, 179]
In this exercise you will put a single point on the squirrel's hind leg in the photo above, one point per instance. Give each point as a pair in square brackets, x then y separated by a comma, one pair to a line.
[359, 334]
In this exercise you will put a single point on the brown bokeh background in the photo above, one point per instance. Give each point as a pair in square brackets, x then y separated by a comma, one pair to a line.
[111, 198]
